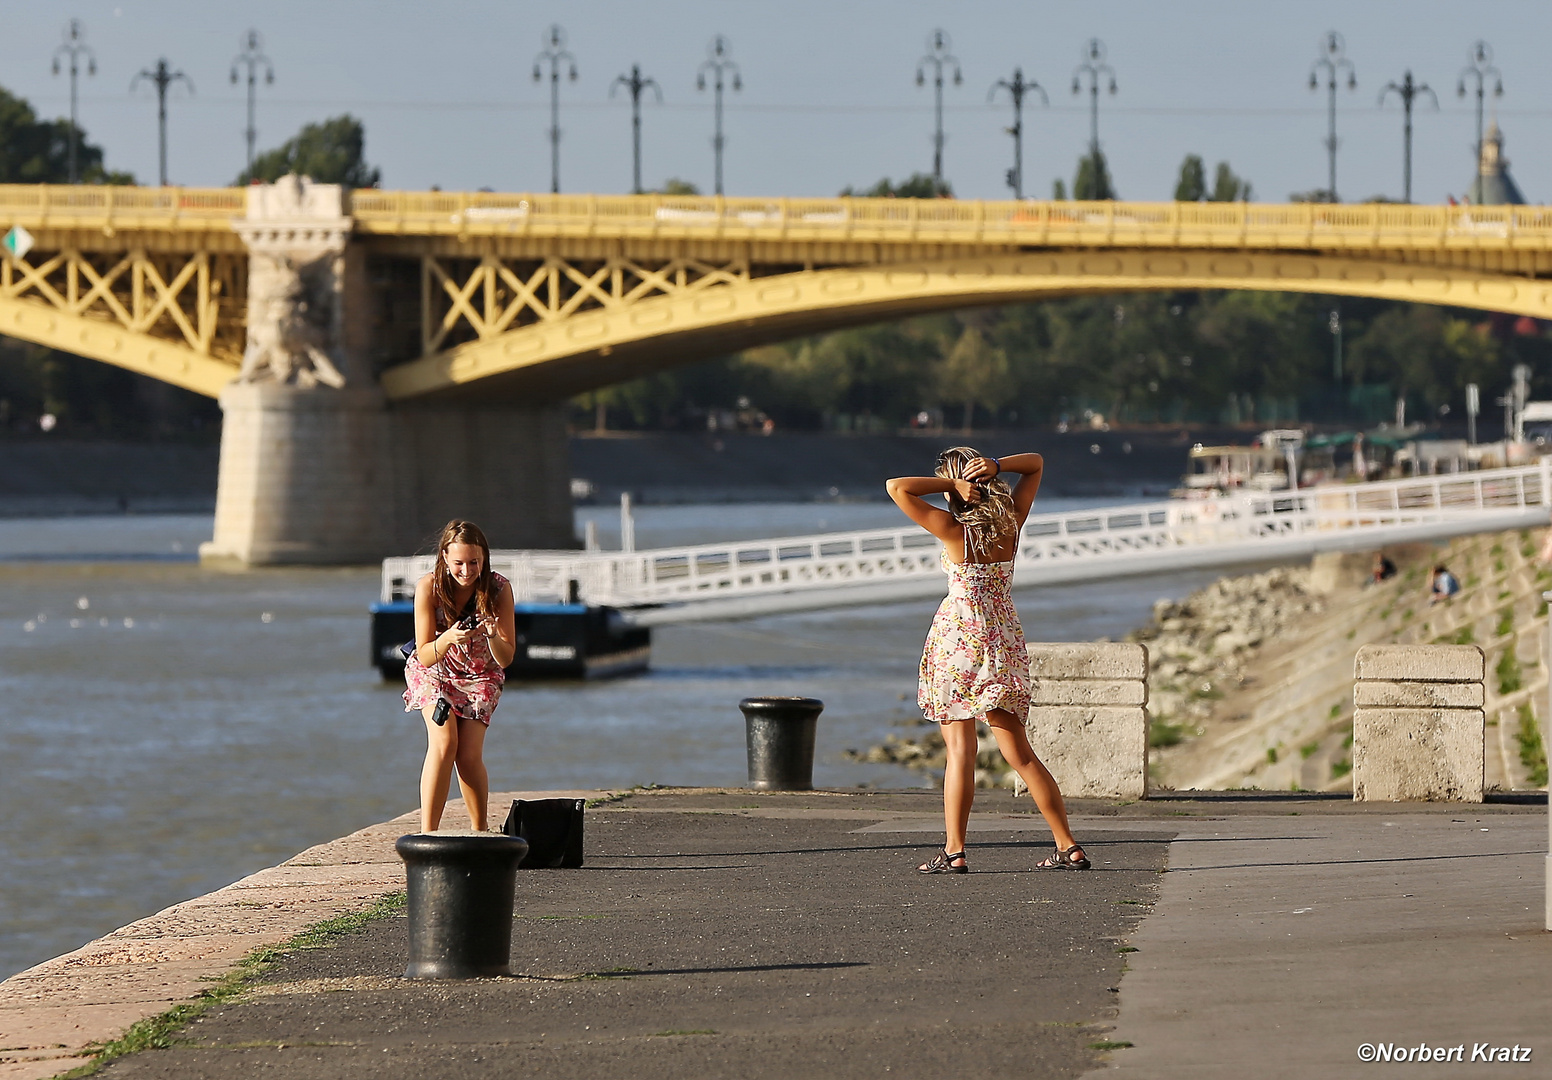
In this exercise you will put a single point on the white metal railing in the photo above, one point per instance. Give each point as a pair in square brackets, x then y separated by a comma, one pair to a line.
[1070, 546]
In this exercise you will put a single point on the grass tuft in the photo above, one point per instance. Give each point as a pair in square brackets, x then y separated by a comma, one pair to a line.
[1109, 1044]
[1163, 733]
[1508, 671]
[1533, 752]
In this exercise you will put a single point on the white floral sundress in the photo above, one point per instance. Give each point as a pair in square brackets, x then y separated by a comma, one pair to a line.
[975, 660]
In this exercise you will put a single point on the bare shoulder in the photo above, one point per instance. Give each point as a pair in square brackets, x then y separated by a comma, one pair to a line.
[423, 586]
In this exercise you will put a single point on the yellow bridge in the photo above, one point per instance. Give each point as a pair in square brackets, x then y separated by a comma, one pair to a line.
[387, 360]
[543, 296]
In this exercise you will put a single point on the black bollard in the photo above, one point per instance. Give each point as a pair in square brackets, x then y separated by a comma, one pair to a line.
[461, 892]
[780, 731]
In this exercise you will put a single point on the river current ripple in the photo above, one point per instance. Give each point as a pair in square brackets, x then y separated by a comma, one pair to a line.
[168, 729]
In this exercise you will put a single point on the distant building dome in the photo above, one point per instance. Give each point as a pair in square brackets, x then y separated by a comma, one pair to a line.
[1493, 185]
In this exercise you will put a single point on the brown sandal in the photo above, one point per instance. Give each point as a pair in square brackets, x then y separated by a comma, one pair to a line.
[1065, 860]
[943, 863]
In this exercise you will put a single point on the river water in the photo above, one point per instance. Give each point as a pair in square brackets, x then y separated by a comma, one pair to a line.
[168, 729]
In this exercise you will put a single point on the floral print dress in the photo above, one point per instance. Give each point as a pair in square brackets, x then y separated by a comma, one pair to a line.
[467, 675]
[974, 660]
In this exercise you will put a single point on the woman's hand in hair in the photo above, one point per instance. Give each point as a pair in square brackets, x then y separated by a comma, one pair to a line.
[982, 468]
[967, 491]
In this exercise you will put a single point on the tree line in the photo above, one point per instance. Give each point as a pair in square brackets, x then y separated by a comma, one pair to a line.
[1252, 358]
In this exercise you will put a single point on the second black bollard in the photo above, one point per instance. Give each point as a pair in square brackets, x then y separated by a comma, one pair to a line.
[461, 890]
[780, 732]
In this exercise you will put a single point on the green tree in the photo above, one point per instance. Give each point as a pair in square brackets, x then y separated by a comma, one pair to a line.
[1093, 179]
[975, 372]
[917, 186]
[1059, 190]
[675, 186]
[1227, 187]
[1192, 185]
[34, 151]
[329, 153]
[1427, 353]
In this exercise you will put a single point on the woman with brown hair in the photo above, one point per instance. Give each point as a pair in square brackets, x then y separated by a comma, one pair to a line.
[465, 635]
[974, 666]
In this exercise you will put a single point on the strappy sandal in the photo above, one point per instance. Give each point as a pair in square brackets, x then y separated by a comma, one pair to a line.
[943, 863]
[1065, 860]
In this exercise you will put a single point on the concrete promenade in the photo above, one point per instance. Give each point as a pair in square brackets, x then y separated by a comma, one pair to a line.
[726, 933]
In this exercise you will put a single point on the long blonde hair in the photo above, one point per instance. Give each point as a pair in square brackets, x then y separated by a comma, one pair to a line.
[987, 521]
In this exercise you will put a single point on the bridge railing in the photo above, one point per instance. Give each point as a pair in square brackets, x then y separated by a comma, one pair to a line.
[1098, 536]
[1238, 225]
[1099, 224]
[96, 205]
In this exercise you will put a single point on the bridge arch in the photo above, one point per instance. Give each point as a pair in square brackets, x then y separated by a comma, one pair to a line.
[604, 345]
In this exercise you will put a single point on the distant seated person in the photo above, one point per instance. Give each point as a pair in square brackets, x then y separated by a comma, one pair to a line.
[1444, 586]
[1383, 569]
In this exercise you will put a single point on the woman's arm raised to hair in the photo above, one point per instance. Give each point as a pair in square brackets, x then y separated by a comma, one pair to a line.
[907, 492]
[1032, 468]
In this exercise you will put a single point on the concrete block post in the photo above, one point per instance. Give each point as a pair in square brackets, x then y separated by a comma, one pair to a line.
[1546, 731]
[1418, 725]
[1088, 717]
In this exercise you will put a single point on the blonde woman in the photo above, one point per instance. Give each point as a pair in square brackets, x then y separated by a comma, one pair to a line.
[974, 666]
[465, 635]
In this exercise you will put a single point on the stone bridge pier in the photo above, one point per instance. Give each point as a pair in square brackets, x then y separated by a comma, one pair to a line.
[318, 466]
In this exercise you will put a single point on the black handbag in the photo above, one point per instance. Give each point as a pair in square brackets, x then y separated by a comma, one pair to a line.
[553, 829]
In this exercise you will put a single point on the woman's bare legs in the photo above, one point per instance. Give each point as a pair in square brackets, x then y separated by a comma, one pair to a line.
[958, 782]
[441, 752]
[1014, 744]
[471, 770]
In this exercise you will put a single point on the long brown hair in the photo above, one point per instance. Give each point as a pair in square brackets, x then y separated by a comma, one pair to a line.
[991, 518]
[442, 585]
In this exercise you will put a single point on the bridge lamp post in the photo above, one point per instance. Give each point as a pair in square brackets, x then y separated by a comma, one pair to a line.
[1017, 88]
[1408, 91]
[555, 55]
[1333, 62]
[1334, 324]
[938, 57]
[1094, 67]
[252, 57]
[635, 83]
[1481, 68]
[162, 77]
[720, 64]
[75, 47]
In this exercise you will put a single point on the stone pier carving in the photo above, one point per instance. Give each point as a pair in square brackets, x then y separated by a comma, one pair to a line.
[296, 233]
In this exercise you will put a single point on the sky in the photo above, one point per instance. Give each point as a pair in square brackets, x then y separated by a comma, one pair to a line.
[829, 96]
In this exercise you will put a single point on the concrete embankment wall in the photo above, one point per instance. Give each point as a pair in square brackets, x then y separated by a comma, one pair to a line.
[1252, 680]
[684, 467]
[43, 477]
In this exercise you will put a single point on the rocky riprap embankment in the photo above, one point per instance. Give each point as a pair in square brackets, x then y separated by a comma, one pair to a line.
[1201, 647]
